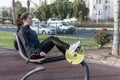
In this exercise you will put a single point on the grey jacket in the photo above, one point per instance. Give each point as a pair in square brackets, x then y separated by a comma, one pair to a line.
[29, 40]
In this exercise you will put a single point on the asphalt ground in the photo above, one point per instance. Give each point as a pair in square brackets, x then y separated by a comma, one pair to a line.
[13, 67]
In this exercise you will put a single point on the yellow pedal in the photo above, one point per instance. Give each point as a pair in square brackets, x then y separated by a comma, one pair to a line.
[75, 57]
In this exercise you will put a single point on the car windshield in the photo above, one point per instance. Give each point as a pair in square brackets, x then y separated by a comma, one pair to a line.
[65, 23]
[44, 26]
[35, 24]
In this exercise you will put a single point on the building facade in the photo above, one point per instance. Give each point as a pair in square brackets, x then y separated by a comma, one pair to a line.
[100, 10]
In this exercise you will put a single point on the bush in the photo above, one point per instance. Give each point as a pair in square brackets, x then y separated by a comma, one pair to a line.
[102, 37]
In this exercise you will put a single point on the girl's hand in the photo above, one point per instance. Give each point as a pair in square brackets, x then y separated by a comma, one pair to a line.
[43, 54]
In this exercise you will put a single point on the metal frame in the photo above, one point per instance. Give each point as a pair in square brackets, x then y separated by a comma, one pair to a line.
[86, 69]
[39, 67]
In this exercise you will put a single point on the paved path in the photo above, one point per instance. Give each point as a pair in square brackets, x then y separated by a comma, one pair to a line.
[13, 67]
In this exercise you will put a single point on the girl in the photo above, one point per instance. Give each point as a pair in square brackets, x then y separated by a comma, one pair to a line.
[31, 42]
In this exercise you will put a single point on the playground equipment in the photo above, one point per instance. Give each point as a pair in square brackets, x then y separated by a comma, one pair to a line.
[72, 58]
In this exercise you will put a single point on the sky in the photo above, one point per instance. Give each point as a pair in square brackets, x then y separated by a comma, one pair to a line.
[8, 3]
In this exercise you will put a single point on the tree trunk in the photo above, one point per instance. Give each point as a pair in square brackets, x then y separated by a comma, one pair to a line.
[28, 6]
[115, 47]
[14, 14]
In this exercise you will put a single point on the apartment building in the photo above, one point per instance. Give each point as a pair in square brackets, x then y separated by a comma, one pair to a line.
[100, 9]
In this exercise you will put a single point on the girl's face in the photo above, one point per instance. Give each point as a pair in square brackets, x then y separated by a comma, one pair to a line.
[28, 21]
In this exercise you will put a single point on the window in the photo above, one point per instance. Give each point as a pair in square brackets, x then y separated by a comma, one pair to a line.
[98, 1]
[106, 1]
[99, 13]
[105, 7]
[93, 6]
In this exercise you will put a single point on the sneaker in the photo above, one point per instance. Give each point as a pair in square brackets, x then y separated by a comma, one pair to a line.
[78, 48]
[74, 46]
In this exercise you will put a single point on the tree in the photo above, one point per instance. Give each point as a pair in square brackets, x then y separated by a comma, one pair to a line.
[67, 8]
[45, 12]
[53, 10]
[61, 8]
[5, 15]
[19, 8]
[79, 9]
[115, 47]
[36, 13]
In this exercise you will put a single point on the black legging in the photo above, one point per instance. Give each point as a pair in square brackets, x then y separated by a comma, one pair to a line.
[52, 41]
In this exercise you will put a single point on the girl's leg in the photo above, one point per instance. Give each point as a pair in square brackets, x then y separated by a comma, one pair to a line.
[52, 41]
[63, 50]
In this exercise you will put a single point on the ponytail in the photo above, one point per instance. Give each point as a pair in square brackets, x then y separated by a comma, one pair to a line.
[20, 18]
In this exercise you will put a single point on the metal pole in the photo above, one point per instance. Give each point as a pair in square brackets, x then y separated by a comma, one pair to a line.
[86, 69]
[14, 14]
[97, 16]
[56, 30]
[38, 27]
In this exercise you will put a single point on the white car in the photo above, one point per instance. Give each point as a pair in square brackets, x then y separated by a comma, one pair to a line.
[62, 26]
[43, 28]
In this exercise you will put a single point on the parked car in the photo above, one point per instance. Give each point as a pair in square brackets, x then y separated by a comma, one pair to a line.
[52, 19]
[62, 26]
[43, 28]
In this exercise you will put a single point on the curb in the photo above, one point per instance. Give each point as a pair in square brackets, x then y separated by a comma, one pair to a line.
[94, 28]
[76, 28]
[7, 27]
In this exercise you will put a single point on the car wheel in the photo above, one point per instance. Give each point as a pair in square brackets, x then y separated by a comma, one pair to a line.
[43, 32]
[64, 31]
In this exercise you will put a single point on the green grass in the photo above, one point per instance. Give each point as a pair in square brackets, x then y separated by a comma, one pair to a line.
[7, 40]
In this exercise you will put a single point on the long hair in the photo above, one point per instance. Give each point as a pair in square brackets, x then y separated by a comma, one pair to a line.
[20, 18]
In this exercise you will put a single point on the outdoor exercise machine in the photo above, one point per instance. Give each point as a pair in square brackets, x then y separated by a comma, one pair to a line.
[71, 58]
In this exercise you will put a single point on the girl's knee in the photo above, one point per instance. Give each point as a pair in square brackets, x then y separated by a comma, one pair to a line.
[52, 37]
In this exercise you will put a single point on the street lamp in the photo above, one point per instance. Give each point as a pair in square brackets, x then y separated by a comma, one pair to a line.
[97, 16]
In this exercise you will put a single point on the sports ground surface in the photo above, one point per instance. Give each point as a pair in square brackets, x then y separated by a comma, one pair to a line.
[13, 67]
